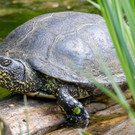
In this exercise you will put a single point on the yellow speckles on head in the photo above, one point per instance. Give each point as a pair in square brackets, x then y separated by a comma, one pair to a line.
[4, 74]
[13, 80]
[12, 72]
[58, 89]
[20, 82]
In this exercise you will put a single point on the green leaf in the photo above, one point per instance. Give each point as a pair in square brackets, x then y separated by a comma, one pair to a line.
[84, 133]
[77, 110]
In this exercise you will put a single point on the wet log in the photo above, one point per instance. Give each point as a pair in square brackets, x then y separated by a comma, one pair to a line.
[45, 117]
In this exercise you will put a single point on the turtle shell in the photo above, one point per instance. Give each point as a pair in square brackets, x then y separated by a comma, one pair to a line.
[65, 45]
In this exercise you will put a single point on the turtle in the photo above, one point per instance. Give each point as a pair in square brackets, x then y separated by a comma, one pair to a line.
[52, 56]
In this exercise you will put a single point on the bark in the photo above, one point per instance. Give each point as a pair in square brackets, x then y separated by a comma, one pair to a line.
[45, 117]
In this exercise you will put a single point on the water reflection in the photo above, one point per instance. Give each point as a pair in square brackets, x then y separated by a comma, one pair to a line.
[16, 12]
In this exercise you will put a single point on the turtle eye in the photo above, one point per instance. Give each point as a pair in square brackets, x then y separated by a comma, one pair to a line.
[5, 62]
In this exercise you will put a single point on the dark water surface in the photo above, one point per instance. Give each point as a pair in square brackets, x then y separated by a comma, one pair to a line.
[15, 12]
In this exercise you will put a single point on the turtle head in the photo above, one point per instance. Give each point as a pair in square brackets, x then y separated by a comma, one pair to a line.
[18, 76]
[11, 73]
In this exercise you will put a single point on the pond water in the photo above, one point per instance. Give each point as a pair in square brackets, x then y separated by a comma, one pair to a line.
[15, 12]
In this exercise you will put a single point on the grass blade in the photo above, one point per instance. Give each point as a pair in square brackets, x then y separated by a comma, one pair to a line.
[94, 4]
[119, 16]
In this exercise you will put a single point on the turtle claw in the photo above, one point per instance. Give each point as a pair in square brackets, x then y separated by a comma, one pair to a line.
[79, 120]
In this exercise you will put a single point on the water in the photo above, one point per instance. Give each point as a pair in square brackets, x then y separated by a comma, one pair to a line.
[15, 12]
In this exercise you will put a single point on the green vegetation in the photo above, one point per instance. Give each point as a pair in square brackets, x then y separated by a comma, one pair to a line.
[4, 93]
[26, 114]
[119, 16]
[83, 133]
[1, 127]
[15, 12]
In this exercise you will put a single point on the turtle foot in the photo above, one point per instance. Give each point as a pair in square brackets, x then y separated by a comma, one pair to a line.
[81, 121]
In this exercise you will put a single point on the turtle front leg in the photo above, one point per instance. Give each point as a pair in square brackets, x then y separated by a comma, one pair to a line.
[74, 110]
